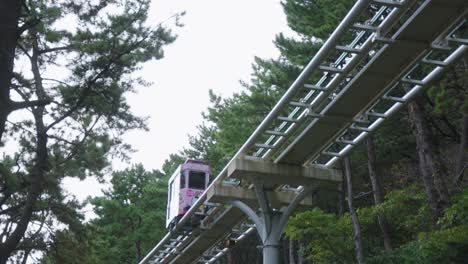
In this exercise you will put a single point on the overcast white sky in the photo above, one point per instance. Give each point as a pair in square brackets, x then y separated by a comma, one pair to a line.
[214, 50]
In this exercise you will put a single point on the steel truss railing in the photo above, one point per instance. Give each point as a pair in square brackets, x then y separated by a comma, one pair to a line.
[239, 233]
[336, 73]
[346, 53]
[397, 94]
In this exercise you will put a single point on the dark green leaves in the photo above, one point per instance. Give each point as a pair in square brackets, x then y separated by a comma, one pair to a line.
[130, 216]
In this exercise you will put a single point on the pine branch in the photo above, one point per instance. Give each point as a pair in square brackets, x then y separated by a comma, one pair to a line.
[27, 104]
[43, 51]
[87, 88]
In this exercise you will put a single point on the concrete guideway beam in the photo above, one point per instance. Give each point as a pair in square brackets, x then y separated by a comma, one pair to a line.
[223, 194]
[274, 173]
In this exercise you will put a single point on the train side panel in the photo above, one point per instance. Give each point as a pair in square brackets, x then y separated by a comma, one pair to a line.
[173, 197]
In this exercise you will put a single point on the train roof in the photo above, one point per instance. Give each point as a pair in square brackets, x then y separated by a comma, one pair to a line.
[187, 161]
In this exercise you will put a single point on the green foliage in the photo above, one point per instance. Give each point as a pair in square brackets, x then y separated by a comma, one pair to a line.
[315, 18]
[130, 216]
[313, 21]
[442, 246]
[457, 213]
[407, 211]
[205, 147]
[67, 248]
[450, 95]
[171, 164]
[329, 237]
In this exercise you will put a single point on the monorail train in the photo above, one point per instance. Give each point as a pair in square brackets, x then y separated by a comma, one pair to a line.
[185, 186]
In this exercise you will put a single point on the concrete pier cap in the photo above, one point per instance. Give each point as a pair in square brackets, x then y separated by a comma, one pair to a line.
[271, 172]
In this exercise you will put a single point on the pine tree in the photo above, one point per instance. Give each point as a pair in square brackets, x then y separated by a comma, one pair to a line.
[79, 57]
[131, 215]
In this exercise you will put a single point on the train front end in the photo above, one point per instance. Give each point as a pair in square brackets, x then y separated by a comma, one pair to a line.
[186, 185]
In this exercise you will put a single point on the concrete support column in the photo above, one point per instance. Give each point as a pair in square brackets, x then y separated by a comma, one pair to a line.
[270, 223]
[271, 254]
[271, 243]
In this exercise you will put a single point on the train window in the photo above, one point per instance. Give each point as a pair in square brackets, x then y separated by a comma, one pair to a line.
[197, 180]
[182, 180]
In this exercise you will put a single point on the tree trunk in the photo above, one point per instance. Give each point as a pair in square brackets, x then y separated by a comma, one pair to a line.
[377, 191]
[433, 174]
[4, 112]
[291, 252]
[285, 250]
[26, 256]
[10, 11]
[138, 241]
[300, 258]
[37, 177]
[461, 159]
[138, 250]
[352, 211]
[229, 257]
[341, 198]
[461, 164]
[41, 166]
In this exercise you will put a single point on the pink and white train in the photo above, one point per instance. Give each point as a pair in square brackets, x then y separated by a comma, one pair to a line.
[186, 185]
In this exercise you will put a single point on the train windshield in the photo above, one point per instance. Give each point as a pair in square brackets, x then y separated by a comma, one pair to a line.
[197, 180]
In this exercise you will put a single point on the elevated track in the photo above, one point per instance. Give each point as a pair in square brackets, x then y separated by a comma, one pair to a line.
[382, 54]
